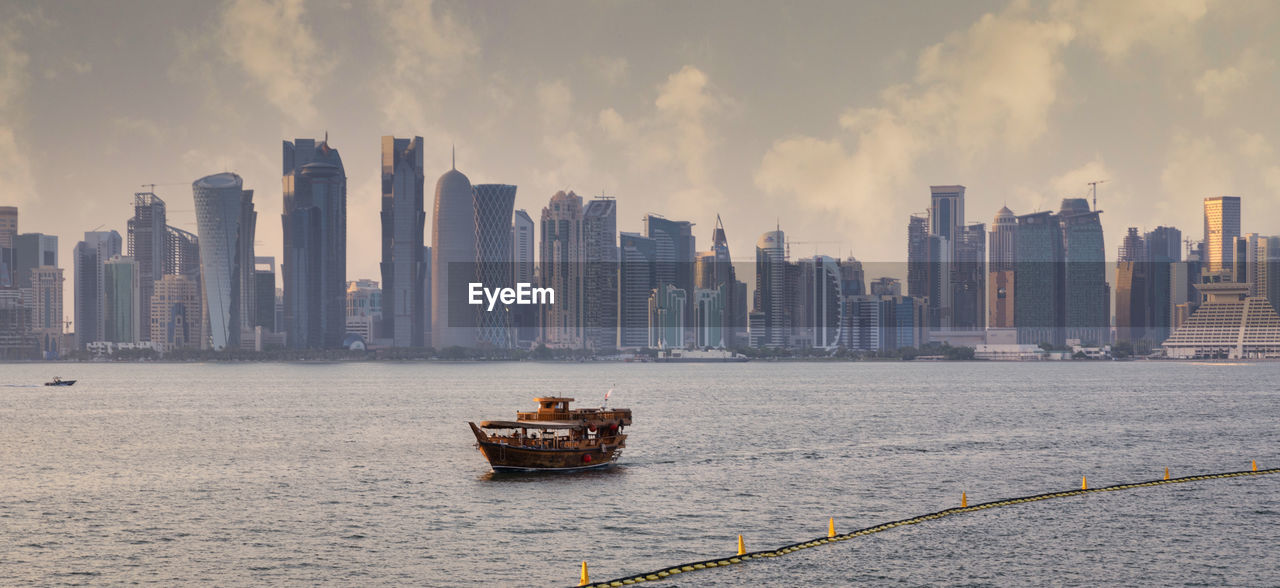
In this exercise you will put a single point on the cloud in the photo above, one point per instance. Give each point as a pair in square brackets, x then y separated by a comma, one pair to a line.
[17, 183]
[1117, 28]
[1219, 88]
[1196, 168]
[277, 50]
[555, 102]
[428, 47]
[989, 88]
[610, 70]
[138, 127]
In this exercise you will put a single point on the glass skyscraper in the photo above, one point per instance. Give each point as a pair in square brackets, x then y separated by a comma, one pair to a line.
[225, 221]
[406, 318]
[314, 268]
[453, 252]
[1221, 227]
[494, 204]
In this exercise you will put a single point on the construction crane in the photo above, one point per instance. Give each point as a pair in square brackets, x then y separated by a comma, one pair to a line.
[1094, 187]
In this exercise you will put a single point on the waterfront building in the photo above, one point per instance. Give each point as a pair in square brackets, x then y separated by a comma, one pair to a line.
[862, 324]
[1087, 304]
[123, 300]
[969, 278]
[182, 253]
[636, 255]
[918, 256]
[561, 262]
[1038, 280]
[494, 262]
[175, 314]
[676, 248]
[1163, 252]
[600, 273]
[771, 292]
[1002, 262]
[1131, 289]
[524, 318]
[147, 238]
[30, 251]
[712, 270]
[406, 316]
[666, 317]
[16, 339]
[364, 309]
[853, 280]
[822, 293]
[90, 290]
[226, 223]
[1229, 324]
[264, 294]
[46, 309]
[708, 317]
[8, 231]
[1221, 227]
[314, 267]
[453, 259]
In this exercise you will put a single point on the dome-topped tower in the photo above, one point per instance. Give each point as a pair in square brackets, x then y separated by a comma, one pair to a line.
[453, 255]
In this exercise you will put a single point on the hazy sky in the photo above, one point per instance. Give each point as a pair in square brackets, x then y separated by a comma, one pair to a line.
[832, 118]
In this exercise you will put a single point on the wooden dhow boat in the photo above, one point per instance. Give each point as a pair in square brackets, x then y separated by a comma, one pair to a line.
[554, 438]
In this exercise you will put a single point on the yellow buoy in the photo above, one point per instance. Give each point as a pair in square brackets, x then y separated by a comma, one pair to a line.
[742, 548]
[1254, 462]
[585, 579]
[1084, 483]
[1166, 473]
[831, 527]
[964, 500]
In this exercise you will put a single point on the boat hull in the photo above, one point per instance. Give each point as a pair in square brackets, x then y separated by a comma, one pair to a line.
[508, 458]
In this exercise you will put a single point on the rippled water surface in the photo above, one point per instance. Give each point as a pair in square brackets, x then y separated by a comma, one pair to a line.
[366, 474]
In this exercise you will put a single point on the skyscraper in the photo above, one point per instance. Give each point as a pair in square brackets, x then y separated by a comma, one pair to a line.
[1002, 263]
[918, 256]
[90, 296]
[666, 317]
[636, 255]
[1163, 254]
[182, 254]
[30, 251]
[147, 240]
[46, 309]
[1221, 227]
[453, 259]
[1038, 292]
[225, 221]
[600, 274]
[969, 278]
[676, 247]
[713, 269]
[406, 318]
[772, 328]
[123, 300]
[561, 261]
[1132, 310]
[522, 245]
[314, 267]
[264, 293]
[175, 313]
[8, 231]
[824, 295]
[1087, 301]
[946, 225]
[494, 262]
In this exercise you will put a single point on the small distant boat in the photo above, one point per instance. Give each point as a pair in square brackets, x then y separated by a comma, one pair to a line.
[554, 438]
[60, 382]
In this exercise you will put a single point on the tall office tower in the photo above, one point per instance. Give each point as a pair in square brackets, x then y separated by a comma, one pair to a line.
[712, 270]
[225, 222]
[636, 254]
[946, 223]
[1001, 254]
[406, 316]
[264, 292]
[1163, 254]
[522, 246]
[314, 268]
[773, 328]
[182, 254]
[30, 251]
[676, 250]
[426, 299]
[1221, 227]
[886, 287]
[1269, 272]
[1132, 309]
[666, 317]
[175, 313]
[90, 295]
[494, 264]
[46, 309]
[918, 256]
[364, 308]
[600, 274]
[123, 300]
[8, 231]
[1087, 304]
[853, 280]
[863, 323]
[453, 262]
[824, 295]
[1038, 293]
[708, 317]
[147, 239]
[560, 262]
[969, 278]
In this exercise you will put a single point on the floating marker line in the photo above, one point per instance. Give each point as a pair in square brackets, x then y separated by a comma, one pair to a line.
[667, 572]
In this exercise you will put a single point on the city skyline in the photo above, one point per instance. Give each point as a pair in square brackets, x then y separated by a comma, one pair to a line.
[702, 125]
